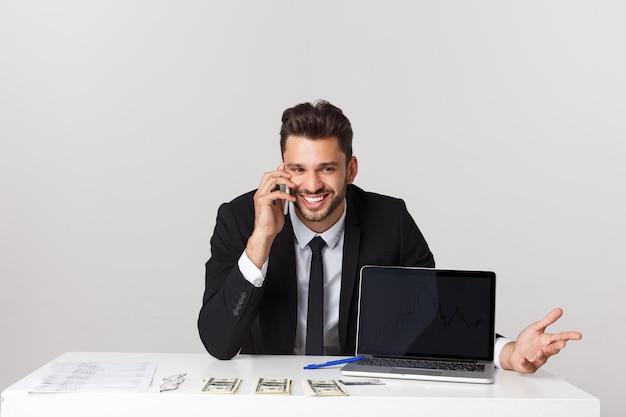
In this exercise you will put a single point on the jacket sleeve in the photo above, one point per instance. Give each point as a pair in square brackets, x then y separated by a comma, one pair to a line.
[413, 246]
[230, 302]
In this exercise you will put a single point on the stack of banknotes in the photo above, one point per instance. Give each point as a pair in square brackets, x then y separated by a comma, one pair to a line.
[323, 388]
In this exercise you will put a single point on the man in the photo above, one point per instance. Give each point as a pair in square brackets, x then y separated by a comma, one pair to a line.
[257, 279]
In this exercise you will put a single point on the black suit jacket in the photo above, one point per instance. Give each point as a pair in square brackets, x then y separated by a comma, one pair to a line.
[236, 316]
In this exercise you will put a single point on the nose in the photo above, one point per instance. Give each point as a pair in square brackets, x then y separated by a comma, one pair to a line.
[311, 183]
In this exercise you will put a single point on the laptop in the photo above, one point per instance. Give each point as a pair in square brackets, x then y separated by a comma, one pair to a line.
[426, 324]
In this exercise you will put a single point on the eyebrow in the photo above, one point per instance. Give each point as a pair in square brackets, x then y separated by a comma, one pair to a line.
[321, 165]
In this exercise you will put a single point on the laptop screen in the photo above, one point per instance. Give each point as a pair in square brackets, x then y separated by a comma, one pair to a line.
[426, 313]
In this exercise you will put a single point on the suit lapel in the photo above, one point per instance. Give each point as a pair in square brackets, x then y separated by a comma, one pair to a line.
[349, 273]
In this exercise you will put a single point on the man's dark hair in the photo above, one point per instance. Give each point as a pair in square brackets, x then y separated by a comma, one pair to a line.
[316, 121]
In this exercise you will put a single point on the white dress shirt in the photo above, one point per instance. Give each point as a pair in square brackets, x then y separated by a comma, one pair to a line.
[332, 258]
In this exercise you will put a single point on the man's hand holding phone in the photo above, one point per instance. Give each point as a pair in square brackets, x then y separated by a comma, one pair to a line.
[270, 207]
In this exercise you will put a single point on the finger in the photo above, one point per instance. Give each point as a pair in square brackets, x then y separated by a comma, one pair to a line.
[559, 340]
[550, 318]
[279, 176]
[285, 177]
[271, 181]
[571, 335]
[537, 357]
[554, 348]
[540, 356]
[526, 366]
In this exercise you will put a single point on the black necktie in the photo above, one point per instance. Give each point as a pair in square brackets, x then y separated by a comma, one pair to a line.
[315, 315]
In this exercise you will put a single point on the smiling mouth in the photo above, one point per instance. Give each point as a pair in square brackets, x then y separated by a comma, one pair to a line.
[313, 200]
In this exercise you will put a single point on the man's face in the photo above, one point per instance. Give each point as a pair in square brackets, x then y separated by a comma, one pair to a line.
[318, 167]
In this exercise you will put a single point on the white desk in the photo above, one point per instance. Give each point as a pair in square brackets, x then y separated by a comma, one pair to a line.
[511, 395]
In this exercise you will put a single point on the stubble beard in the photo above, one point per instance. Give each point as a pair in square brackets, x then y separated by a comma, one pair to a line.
[318, 216]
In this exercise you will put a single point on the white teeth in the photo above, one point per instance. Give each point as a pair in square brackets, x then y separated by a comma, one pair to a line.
[313, 200]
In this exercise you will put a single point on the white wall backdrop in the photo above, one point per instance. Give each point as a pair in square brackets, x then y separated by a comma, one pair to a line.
[124, 124]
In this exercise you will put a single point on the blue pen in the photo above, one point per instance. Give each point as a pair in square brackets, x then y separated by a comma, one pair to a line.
[331, 363]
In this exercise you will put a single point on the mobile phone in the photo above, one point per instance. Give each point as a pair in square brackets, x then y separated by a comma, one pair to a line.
[285, 189]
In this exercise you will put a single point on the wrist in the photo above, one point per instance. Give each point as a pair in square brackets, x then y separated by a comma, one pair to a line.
[505, 355]
[258, 249]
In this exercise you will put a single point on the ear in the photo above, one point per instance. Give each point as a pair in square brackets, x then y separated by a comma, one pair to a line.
[353, 168]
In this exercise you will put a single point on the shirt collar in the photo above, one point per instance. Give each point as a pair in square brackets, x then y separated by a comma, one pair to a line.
[304, 235]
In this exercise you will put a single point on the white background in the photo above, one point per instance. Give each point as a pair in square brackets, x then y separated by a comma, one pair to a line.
[124, 125]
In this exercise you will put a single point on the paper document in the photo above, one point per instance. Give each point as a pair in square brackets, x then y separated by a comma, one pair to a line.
[96, 377]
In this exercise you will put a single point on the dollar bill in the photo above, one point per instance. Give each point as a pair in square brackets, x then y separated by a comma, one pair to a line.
[323, 388]
[273, 386]
[220, 385]
[361, 382]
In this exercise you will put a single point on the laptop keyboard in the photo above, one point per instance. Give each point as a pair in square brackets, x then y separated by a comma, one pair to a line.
[423, 364]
